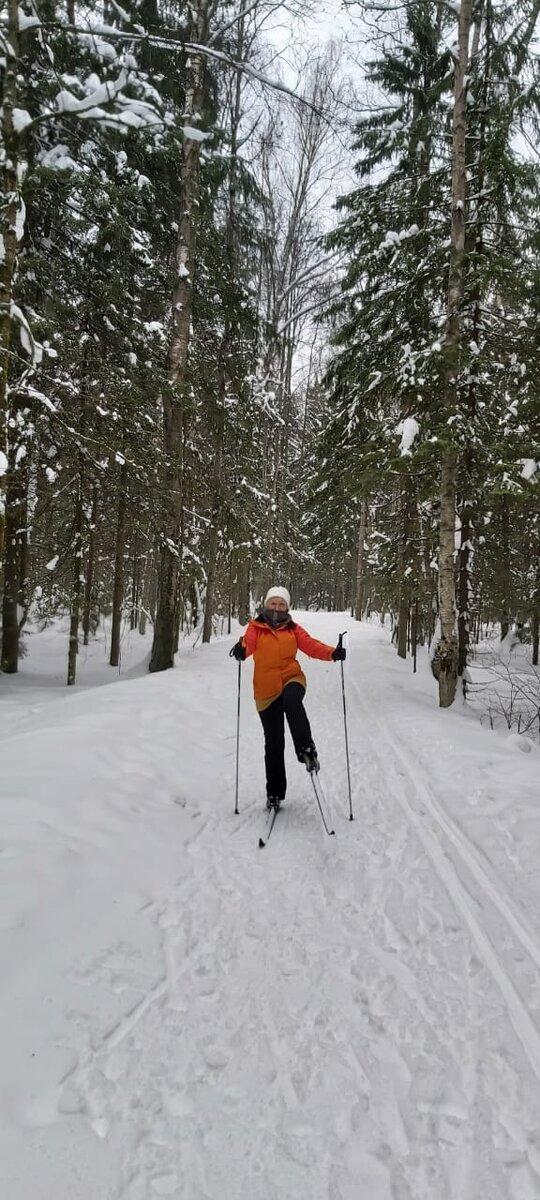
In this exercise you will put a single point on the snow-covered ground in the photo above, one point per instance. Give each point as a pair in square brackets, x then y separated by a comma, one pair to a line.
[185, 1015]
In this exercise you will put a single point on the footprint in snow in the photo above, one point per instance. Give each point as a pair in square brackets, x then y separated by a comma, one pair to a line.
[215, 1059]
[165, 1185]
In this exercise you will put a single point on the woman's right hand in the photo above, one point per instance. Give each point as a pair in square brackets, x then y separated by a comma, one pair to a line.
[238, 651]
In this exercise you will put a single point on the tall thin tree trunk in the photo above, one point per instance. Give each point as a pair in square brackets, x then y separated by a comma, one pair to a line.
[360, 559]
[464, 587]
[535, 623]
[404, 556]
[135, 583]
[216, 509]
[147, 589]
[504, 569]
[77, 584]
[90, 567]
[13, 601]
[165, 628]
[243, 587]
[10, 199]
[281, 516]
[118, 588]
[475, 249]
[447, 655]
[79, 578]
[535, 615]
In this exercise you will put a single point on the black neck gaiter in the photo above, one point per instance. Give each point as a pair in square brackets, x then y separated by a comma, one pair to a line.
[275, 618]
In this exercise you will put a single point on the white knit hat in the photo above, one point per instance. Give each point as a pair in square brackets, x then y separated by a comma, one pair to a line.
[277, 593]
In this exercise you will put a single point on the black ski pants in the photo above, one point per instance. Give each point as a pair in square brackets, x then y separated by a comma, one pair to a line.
[289, 705]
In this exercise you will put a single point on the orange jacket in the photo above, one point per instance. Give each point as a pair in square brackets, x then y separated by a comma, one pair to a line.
[274, 652]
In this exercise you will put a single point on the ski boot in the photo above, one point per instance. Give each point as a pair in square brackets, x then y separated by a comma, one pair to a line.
[273, 802]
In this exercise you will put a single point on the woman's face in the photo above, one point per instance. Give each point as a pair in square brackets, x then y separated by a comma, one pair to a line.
[277, 604]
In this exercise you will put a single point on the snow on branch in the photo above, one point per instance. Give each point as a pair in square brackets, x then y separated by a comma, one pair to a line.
[529, 467]
[409, 430]
[32, 348]
[27, 20]
[103, 94]
[162, 43]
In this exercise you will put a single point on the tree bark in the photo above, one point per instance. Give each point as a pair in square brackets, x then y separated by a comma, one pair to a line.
[404, 531]
[447, 653]
[464, 587]
[10, 207]
[360, 559]
[535, 616]
[504, 570]
[118, 588]
[447, 656]
[148, 604]
[165, 627]
[13, 601]
[90, 567]
[244, 572]
[77, 585]
[216, 510]
[135, 586]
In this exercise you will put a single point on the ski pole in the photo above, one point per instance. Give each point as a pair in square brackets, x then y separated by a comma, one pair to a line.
[237, 739]
[340, 643]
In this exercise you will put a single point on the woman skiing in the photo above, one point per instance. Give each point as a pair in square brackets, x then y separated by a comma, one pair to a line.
[279, 684]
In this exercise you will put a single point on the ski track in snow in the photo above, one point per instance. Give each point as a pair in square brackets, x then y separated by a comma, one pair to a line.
[345, 1018]
[414, 787]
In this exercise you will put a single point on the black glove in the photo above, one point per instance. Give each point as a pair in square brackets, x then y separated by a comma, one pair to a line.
[339, 654]
[238, 652]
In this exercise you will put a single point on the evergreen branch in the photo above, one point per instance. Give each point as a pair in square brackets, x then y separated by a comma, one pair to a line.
[149, 39]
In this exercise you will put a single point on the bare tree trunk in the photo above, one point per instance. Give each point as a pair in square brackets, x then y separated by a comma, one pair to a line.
[144, 594]
[446, 660]
[148, 602]
[224, 365]
[10, 206]
[447, 655]
[135, 583]
[165, 628]
[464, 587]
[475, 249]
[243, 588]
[281, 515]
[77, 584]
[504, 570]
[362, 533]
[90, 567]
[118, 588]
[13, 602]
[536, 625]
[216, 508]
[404, 555]
[405, 528]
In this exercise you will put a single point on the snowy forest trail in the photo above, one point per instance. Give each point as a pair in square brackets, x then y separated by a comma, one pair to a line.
[348, 1018]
